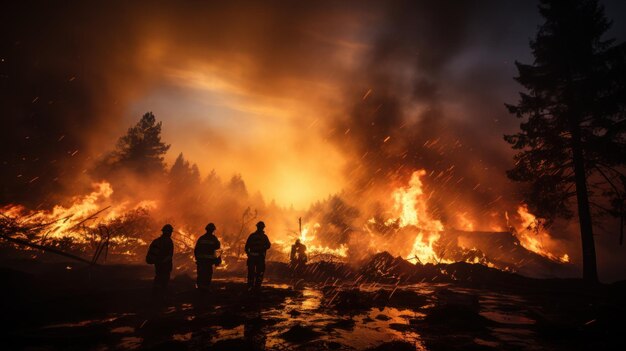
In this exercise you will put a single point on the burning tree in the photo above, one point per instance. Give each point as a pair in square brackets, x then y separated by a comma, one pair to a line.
[573, 142]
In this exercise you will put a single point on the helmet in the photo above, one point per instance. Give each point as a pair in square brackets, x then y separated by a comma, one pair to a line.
[210, 227]
[260, 225]
[167, 228]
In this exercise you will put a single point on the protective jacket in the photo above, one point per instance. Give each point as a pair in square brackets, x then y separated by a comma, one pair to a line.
[205, 248]
[160, 253]
[257, 244]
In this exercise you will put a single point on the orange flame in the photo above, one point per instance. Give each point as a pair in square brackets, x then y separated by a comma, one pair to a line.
[412, 207]
[63, 222]
[412, 210]
[308, 238]
[409, 214]
[534, 237]
[464, 222]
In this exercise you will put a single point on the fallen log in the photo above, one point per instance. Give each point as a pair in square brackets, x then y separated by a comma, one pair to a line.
[45, 249]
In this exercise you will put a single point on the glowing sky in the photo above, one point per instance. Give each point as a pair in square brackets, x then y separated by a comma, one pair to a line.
[301, 99]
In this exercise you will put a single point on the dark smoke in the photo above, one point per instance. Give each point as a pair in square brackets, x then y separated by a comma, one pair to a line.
[398, 116]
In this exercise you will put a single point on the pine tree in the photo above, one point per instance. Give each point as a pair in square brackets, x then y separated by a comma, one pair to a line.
[237, 186]
[572, 139]
[141, 149]
[183, 173]
[212, 180]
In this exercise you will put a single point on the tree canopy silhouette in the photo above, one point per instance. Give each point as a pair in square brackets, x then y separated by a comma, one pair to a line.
[141, 149]
[572, 139]
[184, 173]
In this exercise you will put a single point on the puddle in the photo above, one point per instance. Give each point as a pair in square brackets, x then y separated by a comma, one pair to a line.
[284, 318]
[371, 329]
[225, 334]
[355, 330]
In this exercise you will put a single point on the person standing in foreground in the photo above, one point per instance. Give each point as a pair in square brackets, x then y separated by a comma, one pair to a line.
[205, 256]
[256, 247]
[160, 254]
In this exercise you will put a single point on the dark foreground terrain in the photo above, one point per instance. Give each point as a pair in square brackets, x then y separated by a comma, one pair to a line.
[68, 306]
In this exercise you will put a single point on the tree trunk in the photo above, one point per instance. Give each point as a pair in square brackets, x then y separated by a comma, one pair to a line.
[590, 272]
[45, 248]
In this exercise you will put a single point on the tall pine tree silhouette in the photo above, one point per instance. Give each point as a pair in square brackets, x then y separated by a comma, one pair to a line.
[572, 139]
[141, 149]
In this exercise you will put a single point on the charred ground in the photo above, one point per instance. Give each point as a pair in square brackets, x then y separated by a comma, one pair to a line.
[384, 303]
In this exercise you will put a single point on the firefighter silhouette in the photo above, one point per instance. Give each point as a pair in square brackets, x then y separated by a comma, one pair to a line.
[256, 247]
[206, 257]
[160, 255]
[298, 257]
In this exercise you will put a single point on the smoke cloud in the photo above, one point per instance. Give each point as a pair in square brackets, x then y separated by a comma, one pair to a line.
[303, 99]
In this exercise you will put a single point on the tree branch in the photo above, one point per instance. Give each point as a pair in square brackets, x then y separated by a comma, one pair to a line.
[615, 189]
[611, 169]
[45, 248]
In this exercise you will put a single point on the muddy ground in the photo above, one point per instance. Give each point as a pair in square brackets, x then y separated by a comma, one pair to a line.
[69, 306]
